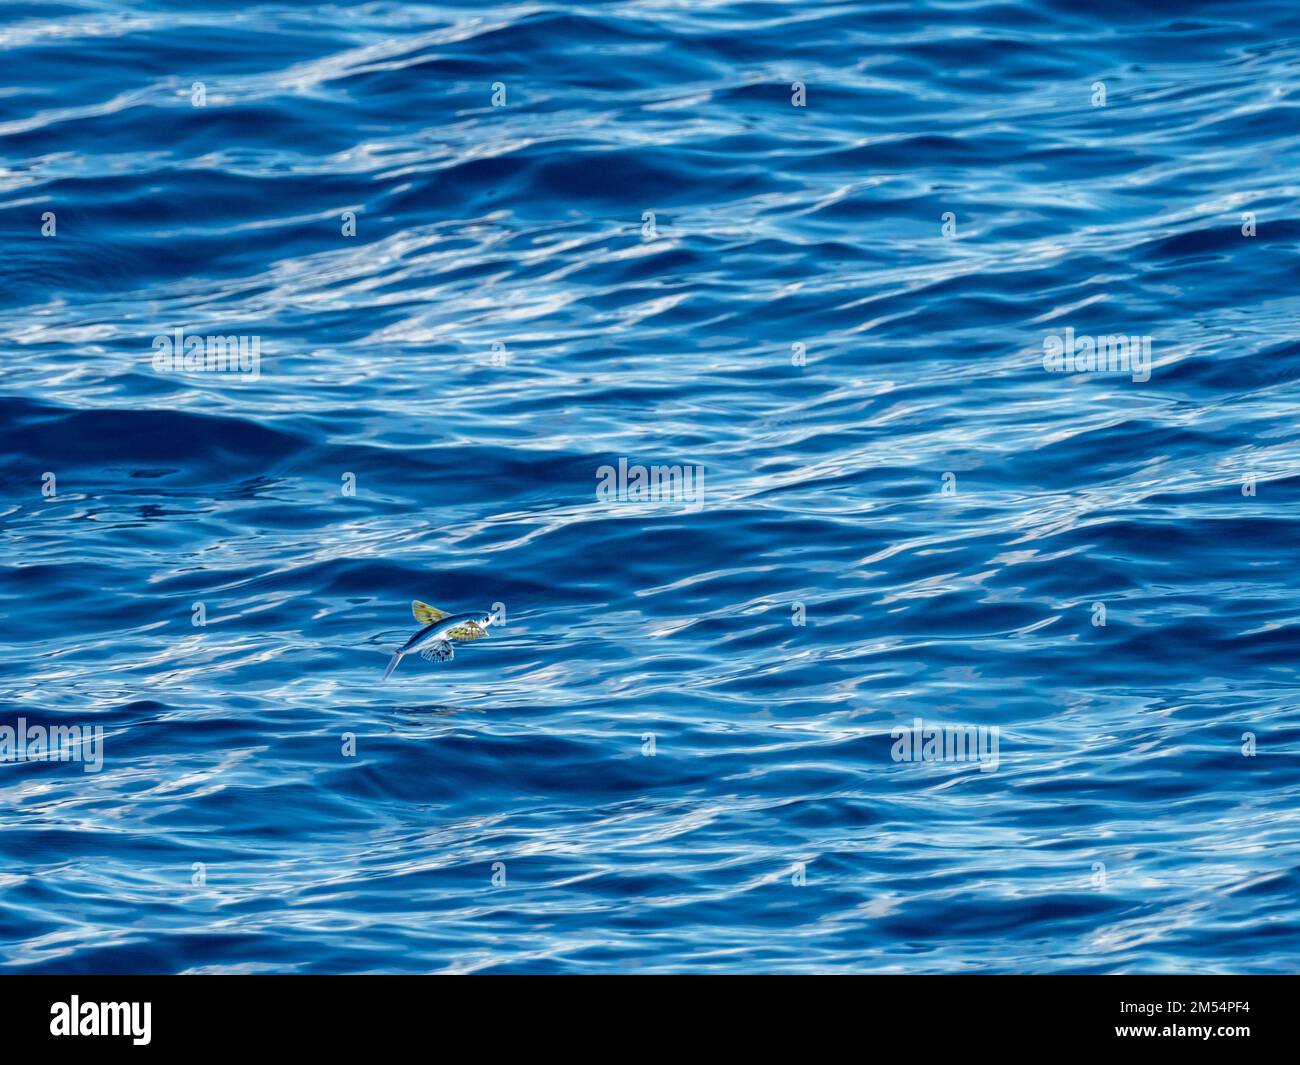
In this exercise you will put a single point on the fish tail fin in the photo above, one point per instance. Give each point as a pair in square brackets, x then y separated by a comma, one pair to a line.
[392, 665]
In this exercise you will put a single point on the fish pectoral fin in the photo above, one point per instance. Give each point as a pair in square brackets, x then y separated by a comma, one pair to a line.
[426, 614]
[468, 631]
[438, 652]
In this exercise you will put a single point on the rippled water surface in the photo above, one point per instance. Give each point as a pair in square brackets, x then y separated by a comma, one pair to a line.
[487, 250]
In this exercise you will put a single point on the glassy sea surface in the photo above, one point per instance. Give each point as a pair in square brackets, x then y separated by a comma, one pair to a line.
[925, 653]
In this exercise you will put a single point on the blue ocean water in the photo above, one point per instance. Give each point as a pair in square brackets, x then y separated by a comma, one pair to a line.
[484, 258]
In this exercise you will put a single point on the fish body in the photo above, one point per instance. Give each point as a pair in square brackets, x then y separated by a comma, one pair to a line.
[434, 640]
[440, 630]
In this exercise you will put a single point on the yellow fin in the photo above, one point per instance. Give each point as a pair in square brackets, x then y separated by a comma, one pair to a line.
[468, 631]
[426, 614]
